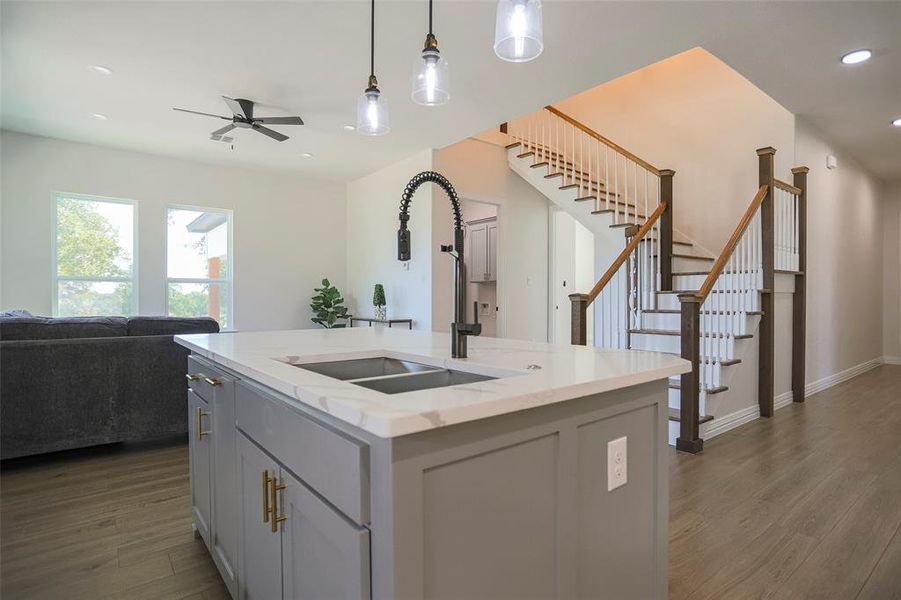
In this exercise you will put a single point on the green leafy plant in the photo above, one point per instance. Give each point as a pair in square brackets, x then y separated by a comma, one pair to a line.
[328, 306]
[378, 296]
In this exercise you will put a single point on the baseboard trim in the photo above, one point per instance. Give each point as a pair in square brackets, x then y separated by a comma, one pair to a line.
[891, 360]
[842, 376]
[721, 425]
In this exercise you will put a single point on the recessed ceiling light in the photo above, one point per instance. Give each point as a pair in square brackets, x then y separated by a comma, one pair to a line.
[858, 56]
[897, 122]
[101, 69]
[349, 128]
[307, 155]
[99, 116]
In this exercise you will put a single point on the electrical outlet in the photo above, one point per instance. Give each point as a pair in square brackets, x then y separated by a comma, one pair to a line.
[617, 463]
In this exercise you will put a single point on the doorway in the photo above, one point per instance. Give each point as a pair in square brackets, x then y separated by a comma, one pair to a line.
[482, 272]
[571, 258]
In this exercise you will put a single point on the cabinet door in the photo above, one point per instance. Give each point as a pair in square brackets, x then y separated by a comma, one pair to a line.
[325, 555]
[478, 252]
[225, 494]
[259, 548]
[492, 252]
[199, 430]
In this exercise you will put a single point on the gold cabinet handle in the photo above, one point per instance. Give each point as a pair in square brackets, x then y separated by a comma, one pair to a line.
[213, 381]
[266, 480]
[198, 423]
[273, 501]
[192, 377]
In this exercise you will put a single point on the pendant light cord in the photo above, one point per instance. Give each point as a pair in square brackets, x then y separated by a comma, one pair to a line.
[372, 41]
[430, 17]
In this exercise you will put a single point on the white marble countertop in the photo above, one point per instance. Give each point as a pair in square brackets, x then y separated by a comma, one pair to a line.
[565, 372]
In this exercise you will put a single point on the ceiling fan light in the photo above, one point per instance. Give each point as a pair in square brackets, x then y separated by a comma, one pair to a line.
[430, 79]
[518, 31]
[372, 113]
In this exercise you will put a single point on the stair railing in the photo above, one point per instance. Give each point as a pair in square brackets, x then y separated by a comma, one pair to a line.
[786, 229]
[616, 180]
[623, 292]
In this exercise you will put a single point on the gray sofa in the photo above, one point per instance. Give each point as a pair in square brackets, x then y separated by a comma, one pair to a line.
[75, 382]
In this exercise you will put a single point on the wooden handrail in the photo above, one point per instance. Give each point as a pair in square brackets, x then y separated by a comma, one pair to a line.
[787, 187]
[729, 248]
[604, 140]
[630, 247]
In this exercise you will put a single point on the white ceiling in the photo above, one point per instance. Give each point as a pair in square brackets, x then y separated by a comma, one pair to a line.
[311, 59]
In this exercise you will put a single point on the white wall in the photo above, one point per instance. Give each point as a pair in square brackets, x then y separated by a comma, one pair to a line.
[891, 293]
[479, 171]
[844, 259]
[694, 114]
[288, 232]
[373, 203]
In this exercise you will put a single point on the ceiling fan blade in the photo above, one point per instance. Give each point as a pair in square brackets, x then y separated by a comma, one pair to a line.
[240, 107]
[223, 131]
[194, 112]
[280, 120]
[273, 134]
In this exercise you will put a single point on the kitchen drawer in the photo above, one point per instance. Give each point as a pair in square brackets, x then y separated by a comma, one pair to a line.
[202, 378]
[329, 461]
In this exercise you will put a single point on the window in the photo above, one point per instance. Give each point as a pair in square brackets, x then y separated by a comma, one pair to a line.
[199, 270]
[94, 262]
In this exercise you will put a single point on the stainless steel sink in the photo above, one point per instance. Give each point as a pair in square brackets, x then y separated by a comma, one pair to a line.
[421, 381]
[364, 368]
[392, 375]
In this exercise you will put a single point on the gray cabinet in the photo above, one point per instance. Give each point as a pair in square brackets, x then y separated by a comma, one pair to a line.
[200, 465]
[481, 254]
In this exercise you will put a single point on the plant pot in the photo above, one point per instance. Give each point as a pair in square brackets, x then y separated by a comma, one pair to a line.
[381, 312]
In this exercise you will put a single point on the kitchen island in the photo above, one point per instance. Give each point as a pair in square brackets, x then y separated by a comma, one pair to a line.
[368, 463]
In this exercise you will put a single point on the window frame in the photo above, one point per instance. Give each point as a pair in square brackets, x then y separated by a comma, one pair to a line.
[228, 280]
[56, 278]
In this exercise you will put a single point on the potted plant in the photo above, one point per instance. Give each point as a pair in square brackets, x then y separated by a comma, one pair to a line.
[378, 301]
[328, 306]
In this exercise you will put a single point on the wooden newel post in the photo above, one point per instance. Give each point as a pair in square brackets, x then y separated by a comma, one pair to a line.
[799, 299]
[689, 439]
[767, 332]
[579, 323]
[666, 230]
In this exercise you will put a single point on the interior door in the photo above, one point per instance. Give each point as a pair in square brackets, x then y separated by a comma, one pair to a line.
[325, 554]
[562, 275]
[199, 426]
[259, 548]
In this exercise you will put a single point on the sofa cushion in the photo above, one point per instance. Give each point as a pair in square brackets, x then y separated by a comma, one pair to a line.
[16, 312]
[48, 328]
[171, 325]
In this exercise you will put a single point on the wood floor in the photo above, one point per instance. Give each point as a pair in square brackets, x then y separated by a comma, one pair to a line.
[804, 505]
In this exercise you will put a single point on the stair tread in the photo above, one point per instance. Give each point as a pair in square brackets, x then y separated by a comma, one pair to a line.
[652, 238]
[649, 331]
[761, 290]
[675, 385]
[513, 145]
[676, 415]
[677, 255]
[676, 311]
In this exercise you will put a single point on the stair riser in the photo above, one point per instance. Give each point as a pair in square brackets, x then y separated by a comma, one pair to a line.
[723, 348]
[748, 300]
[738, 324]
[681, 263]
[694, 282]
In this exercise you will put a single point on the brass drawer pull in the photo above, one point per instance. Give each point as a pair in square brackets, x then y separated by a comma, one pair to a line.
[266, 480]
[192, 377]
[198, 424]
[212, 381]
[273, 501]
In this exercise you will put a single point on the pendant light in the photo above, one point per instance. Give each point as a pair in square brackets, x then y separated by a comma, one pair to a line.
[430, 78]
[372, 108]
[518, 32]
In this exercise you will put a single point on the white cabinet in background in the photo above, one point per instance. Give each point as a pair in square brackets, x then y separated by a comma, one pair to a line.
[482, 251]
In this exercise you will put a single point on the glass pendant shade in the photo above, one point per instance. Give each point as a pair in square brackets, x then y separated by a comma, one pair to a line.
[372, 113]
[518, 32]
[430, 79]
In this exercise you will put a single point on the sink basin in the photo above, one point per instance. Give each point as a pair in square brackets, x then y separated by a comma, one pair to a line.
[364, 368]
[425, 380]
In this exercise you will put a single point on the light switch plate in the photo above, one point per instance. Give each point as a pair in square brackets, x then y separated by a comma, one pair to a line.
[617, 463]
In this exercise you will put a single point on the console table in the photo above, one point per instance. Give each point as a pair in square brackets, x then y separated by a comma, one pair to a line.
[389, 322]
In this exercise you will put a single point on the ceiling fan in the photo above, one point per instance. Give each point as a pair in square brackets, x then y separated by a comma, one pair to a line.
[242, 116]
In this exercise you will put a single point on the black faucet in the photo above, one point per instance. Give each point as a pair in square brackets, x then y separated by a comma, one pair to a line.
[459, 328]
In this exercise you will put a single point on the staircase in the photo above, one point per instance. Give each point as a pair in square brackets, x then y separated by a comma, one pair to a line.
[661, 292]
